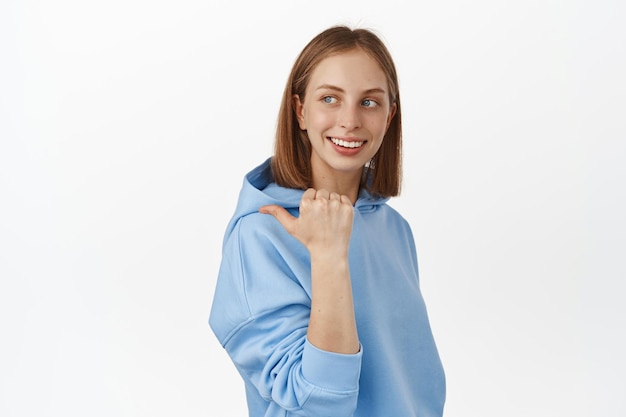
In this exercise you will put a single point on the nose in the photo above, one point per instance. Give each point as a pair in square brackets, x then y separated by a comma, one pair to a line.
[349, 117]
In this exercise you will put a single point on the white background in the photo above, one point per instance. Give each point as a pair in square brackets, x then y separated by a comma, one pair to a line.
[126, 127]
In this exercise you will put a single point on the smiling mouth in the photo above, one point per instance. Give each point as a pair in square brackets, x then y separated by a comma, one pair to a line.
[347, 143]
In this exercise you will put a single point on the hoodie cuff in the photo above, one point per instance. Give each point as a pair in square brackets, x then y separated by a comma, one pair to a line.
[330, 370]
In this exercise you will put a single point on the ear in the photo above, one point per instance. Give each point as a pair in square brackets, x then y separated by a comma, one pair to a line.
[392, 113]
[298, 109]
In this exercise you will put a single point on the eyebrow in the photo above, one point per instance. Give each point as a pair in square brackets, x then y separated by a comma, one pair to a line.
[341, 90]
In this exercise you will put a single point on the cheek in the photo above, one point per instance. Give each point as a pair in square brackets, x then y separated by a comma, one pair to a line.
[320, 120]
[378, 124]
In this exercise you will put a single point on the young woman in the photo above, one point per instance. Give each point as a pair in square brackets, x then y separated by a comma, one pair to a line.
[318, 301]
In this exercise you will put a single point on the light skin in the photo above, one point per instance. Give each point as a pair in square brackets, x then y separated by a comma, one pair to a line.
[346, 112]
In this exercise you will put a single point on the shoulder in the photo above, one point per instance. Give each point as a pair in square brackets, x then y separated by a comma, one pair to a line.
[388, 217]
[259, 227]
[393, 213]
[259, 238]
[386, 223]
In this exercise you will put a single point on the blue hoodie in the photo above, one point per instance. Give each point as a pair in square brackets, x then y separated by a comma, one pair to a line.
[261, 307]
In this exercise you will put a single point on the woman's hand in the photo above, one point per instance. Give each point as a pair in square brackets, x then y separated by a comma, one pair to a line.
[324, 224]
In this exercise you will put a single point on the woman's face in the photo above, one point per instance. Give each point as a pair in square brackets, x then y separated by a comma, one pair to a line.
[346, 112]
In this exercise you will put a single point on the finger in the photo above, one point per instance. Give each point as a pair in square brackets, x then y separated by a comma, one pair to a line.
[322, 194]
[282, 215]
[307, 198]
[334, 196]
[309, 194]
[345, 199]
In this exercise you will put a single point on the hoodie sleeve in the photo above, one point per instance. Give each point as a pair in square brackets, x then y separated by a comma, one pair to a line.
[260, 314]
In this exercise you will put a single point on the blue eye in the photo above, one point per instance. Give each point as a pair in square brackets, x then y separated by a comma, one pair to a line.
[369, 103]
[329, 99]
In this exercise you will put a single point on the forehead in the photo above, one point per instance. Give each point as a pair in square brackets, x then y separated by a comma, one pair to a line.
[350, 68]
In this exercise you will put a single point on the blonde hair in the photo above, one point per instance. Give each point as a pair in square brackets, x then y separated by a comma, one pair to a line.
[291, 164]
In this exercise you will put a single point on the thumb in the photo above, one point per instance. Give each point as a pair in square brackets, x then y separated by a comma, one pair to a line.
[287, 220]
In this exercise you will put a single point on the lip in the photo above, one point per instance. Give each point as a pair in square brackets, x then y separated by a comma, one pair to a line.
[346, 151]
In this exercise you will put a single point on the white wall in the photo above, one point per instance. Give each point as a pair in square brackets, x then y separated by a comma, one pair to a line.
[126, 128]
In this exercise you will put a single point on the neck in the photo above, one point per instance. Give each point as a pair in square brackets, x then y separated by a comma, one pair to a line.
[347, 184]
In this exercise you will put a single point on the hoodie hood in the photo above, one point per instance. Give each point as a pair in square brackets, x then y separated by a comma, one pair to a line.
[259, 189]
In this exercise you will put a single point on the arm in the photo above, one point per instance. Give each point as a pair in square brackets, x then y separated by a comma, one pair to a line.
[324, 227]
[261, 314]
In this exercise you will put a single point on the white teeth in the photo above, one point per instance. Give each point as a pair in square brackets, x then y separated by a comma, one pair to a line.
[346, 144]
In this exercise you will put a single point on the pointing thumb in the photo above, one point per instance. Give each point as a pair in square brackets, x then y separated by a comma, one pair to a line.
[287, 220]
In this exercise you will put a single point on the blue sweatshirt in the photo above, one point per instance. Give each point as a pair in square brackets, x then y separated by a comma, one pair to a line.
[262, 302]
